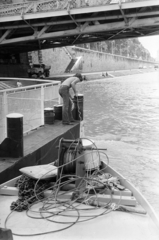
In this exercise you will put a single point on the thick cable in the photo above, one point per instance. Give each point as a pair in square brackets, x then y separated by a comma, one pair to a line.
[69, 205]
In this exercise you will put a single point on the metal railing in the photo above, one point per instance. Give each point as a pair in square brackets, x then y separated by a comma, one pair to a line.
[29, 101]
[49, 5]
[32, 7]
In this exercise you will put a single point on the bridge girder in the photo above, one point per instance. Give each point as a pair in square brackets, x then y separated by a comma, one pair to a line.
[34, 31]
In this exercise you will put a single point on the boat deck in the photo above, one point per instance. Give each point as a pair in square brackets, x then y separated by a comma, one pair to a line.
[113, 225]
[39, 148]
[58, 216]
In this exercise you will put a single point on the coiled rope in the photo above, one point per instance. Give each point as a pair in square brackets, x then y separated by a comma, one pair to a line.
[54, 205]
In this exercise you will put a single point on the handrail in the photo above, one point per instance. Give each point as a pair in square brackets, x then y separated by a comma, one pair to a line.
[24, 79]
[29, 101]
[48, 83]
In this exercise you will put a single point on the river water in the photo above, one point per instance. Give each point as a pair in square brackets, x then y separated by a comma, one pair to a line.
[122, 115]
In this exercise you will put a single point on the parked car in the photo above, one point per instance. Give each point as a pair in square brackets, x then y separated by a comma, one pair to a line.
[156, 66]
[39, 70]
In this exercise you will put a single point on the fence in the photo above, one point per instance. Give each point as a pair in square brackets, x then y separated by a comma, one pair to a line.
[30, 102]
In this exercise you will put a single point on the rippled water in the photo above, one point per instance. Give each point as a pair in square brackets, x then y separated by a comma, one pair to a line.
[123, 115]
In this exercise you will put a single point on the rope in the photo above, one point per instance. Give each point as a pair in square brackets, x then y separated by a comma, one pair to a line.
[79, 112]
[31, 193]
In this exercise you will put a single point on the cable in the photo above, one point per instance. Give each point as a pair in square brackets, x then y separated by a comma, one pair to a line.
[53, 205]
[78, 107]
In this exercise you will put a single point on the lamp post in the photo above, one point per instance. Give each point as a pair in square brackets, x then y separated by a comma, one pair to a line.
[121, 49]
[127, 50]
[113, 46]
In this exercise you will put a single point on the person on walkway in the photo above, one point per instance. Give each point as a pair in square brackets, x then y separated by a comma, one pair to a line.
[19, 84]
[64, 92]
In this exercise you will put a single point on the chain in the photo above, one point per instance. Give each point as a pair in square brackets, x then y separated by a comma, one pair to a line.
[26, 192]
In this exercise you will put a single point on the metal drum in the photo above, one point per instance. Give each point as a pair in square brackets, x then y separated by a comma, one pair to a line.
[70, 164]
[49, 116]
[91, 157]
[58, 112]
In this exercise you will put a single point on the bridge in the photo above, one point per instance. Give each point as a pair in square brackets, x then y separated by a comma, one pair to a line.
[30, 26]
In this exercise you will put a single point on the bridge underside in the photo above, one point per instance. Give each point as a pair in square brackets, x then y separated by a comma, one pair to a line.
[25, 30]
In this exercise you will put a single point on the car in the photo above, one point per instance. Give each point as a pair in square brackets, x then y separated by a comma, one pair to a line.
[156, 66]
[39, 70]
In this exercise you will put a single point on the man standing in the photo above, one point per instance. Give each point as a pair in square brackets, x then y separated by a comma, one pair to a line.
[64, 92]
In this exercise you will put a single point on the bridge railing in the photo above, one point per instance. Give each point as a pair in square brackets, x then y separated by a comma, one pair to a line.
[30, 101]
[49, 5]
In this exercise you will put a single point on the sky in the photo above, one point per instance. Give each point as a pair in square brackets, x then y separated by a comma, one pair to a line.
[151, 44]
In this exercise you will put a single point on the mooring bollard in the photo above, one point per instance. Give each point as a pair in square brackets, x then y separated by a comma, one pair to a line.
[49, 116]
[78, 107]
[15, 133]
[58, 112]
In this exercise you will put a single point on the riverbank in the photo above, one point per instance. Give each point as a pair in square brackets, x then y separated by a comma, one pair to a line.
[98, 75]
[116, 73]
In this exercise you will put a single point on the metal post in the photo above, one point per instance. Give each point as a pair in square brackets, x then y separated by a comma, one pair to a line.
[5, 104]
[112, 47]
[42, 105]
[60, 100]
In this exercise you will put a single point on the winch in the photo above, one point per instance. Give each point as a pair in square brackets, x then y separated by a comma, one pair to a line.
[77, 157]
